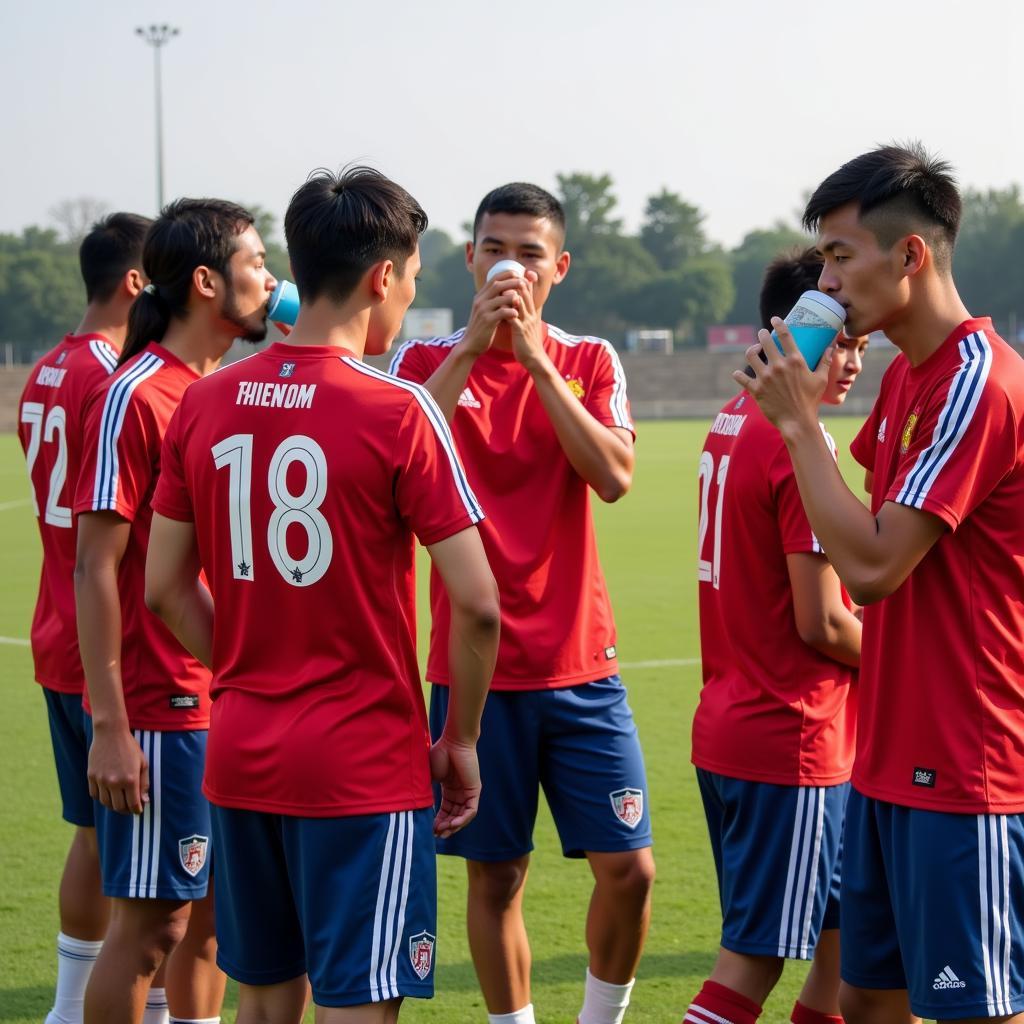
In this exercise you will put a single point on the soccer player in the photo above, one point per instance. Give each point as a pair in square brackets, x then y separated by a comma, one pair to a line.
[147, 697]
[541, 418]
[297, 479]
[50, 431]
[773, 734]
[933, 877]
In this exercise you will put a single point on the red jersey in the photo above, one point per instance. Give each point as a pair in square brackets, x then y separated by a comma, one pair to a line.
[942, 669]
[772, 709]
[307, 473]
[50, 430]
[165, 688]
[556, 619]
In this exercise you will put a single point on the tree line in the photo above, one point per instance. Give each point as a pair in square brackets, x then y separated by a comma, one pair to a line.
[667, 274]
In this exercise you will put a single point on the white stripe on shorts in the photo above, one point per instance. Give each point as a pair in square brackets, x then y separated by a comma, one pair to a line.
[156, 806]
[392, 897]
[994, 899]
[802, 874]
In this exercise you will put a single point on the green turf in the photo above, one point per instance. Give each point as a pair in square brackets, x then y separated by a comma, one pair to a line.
[648, 550]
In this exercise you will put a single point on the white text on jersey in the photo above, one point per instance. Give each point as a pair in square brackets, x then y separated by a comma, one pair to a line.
[50, 376]
[728, 424]
[275, 396]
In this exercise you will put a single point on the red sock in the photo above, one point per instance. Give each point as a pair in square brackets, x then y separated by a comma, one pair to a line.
[805, 1015]
[716, 1004]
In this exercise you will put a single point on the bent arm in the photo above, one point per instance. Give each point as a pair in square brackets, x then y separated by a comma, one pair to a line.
[602, 455]
[873, 555]
[446, 383]
[822, 619]
[173, 588]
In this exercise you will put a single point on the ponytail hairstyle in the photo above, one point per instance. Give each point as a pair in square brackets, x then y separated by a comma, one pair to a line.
[189, 233]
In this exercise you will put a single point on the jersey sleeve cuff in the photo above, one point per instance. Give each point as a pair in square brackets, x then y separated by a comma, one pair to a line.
[949, 516]
[454, 526]
[176, 512]
[123, 510]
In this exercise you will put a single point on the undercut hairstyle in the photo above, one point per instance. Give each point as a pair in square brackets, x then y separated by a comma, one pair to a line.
[189, 233]
[521, 197]
[112, 248]
[785, 279]
[900, 190]
[339, 225]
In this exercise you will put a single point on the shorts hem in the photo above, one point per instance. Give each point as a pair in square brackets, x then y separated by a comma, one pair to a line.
[764, 949]
[260, 978]
[861, 981]
[933, 1011]
[361, 998]
[486, 856]
[91, 823]
[123, 892]
[636, 843]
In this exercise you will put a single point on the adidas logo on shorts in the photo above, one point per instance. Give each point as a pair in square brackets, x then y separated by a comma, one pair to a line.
[947, 979]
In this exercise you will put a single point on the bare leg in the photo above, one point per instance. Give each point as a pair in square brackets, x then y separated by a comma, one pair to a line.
[497, 932]
[875, 1005]
[620, 912]
[84, 910]
[821, 989]
[140, 935]
[284, 1003]
[195, 984]
[752, 976]
[370, 1013]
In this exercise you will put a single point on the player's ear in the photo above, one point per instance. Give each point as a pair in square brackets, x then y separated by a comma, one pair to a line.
[203, 280]
[913, 251]
[561, 266]
[134, 282]
[470, 249]
[381, 278]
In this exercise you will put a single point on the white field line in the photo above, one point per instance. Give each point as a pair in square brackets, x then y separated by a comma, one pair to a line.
[4, 506]
[14, 641]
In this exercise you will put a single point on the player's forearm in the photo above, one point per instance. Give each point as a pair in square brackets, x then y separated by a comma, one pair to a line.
[846, 529]
[98, 609]
[839, 637]
[446, 383]
[602, 458]
[472, 653]
[186, 608]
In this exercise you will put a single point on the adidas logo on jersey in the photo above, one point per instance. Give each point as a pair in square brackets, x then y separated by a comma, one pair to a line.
[947, 979]
[468, 399]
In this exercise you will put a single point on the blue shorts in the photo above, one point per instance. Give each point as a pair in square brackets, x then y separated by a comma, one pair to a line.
[777, 854]
[165, 852]
[581, 745]
[352, 902]
[934, 903]
[71, 754]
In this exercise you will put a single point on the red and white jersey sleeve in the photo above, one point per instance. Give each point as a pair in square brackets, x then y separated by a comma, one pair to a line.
[307, 474]
[772, 708]
[943, 660]
[557, 627]
[165, 688]
[50, 418]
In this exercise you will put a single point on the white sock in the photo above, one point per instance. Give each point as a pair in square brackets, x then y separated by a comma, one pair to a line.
[156, 1007]
[523, 1016]
[75, 958]
[603, 1002]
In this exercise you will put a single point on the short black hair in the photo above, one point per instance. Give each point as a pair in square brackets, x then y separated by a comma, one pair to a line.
[520, 197]
[112, 248]
[785, 279]
[189, 233]
[900, 190]
[339, 225]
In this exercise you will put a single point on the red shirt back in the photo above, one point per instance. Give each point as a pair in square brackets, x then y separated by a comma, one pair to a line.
[50, 416]
[307, 473]
[942, 671]
[164, 686]
[557, 627]
[772, 708]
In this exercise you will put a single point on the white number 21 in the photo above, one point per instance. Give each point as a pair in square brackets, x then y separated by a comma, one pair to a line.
[708, 569]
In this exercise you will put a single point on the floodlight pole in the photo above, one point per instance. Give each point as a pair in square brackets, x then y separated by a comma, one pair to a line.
[158, 36]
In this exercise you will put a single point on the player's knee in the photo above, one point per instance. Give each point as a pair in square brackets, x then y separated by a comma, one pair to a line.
[864, 1005]
[629, 875]
[496, 884]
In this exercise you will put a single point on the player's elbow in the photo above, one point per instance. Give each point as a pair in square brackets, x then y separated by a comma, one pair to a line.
[871, 585]
[479, 612]
[157, 597]
[614, 486]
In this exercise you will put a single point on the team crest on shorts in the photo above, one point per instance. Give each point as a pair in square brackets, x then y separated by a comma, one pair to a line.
[421, 953]
[908, 433]
[628, 805]
[192, 853]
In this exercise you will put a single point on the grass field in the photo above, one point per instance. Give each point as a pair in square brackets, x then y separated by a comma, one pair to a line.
[647, 545]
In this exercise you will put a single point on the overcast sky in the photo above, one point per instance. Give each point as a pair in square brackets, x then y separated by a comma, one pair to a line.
[739, 105]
